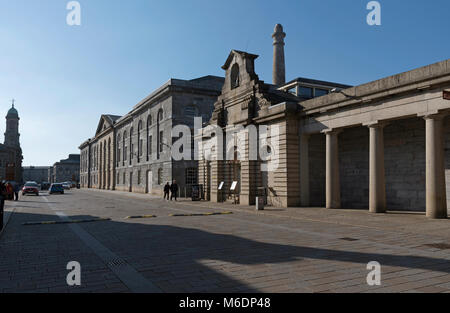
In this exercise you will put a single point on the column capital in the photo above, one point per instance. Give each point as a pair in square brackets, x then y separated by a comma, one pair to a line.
[376, 124]
[332, 131]
[433, 115]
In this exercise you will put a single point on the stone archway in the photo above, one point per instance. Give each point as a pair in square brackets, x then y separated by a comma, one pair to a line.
[149, 183]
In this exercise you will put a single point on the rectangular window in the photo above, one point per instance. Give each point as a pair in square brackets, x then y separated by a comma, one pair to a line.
[150, 143]
[191, 176]
[139, 177]
[161, 141]
[305, 92]
[141, 144]
[320, 92]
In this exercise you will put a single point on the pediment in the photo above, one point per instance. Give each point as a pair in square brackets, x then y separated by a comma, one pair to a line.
[103, 125]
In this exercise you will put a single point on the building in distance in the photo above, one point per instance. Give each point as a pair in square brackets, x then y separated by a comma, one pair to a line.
[65, 170]
[37, 174]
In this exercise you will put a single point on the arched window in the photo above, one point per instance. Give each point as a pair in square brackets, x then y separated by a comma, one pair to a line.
[160, 176]
[140, 142]
[131, 145]
[235, 80]
[124, 148]
[159, 133]
[149, 138]
[118, 149]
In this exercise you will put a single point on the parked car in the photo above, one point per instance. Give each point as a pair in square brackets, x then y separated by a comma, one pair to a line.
[30, 188]
[45, 186]
[56, 188]
[67, 185]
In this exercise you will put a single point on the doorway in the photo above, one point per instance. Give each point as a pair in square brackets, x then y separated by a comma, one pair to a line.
[149, 182]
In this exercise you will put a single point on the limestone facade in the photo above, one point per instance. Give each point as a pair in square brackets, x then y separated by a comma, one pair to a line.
[37, 174]
[379, 146]
[67, 170]
[134, 152]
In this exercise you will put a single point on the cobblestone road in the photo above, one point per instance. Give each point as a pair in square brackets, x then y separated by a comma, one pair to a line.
[278, 250]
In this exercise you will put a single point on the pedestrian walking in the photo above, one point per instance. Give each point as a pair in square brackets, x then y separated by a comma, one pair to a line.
[166, 191]
[9, 191]
[174, 190]
[16, 191]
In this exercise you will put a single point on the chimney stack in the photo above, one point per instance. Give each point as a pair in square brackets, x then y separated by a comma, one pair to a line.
[279, 68]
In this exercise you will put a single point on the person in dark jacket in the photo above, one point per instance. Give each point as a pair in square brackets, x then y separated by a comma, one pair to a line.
[16, 191]
[166, 191]
[174, 190]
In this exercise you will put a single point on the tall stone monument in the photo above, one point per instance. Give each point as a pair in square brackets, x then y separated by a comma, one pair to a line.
[279, 68]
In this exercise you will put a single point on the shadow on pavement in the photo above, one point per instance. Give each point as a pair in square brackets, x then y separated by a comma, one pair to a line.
[179, 259]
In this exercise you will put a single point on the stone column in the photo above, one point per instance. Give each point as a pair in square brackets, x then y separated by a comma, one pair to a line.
[304, 170]
[333, 188]
[435, 167]
[279, 70]
[377, 182]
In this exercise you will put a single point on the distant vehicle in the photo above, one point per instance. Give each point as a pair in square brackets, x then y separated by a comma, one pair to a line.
[45, 185]
[30, 188]
[67, 185]
[56, 188]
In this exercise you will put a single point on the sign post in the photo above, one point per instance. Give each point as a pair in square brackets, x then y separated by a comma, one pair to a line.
[220, 189]
[233, 189]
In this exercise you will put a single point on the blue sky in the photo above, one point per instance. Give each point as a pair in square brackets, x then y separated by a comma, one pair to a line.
[63, 78]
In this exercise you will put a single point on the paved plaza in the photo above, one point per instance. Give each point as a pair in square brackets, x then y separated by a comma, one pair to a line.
[182, 247]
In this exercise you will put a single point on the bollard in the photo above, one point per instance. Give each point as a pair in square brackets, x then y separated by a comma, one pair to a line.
[259, 203]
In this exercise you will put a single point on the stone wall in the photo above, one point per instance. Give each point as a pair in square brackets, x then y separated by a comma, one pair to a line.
[284, 182]
[317, 170]
[139, 178]
[354, 168]
[405, 164]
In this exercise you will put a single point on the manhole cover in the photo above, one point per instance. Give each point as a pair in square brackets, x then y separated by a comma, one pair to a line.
[348, 239]
[441, 246]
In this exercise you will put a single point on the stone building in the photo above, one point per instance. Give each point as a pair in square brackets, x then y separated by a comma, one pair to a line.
[10, 151]
[133, 153]
[65, 170]
[380, 146]
[37, 174]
